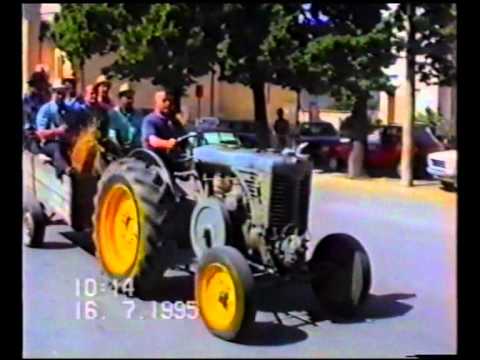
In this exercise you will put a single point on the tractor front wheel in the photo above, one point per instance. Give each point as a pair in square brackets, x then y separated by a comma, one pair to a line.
[224, 288]
[341, 274]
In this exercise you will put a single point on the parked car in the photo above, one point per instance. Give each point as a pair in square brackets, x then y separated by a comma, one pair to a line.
[244, 129]
[442, 165]
[384, 149]
[215, 137]
[321, 138]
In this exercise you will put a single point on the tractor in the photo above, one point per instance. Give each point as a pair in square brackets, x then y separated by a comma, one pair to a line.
[239, 211]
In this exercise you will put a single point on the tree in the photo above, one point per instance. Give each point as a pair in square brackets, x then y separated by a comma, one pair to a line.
[256, 49]
[349, 53]
[170, 44]
[174, 44]
[429, 36]
[83, 30]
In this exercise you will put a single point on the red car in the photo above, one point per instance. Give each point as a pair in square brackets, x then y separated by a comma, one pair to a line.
[384, 150]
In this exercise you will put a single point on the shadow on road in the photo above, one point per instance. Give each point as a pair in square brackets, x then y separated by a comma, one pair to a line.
[381, 307]
[55, 245]
[81, 239]
[274, 334]
[298, 297]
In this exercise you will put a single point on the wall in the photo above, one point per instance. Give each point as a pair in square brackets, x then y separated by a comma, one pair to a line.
[334, 117]
[437, 98]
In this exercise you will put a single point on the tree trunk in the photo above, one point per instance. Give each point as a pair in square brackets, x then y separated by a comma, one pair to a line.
[79, 72]
[263, 136]
[356, 160]
[177, 99]
[359, 129]
[407, 129]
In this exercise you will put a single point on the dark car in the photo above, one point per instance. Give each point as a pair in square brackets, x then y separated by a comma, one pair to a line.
[384, 149]
[244, 129]
[321, 138]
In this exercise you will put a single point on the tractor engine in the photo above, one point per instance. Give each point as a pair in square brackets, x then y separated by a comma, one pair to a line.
[272, 189]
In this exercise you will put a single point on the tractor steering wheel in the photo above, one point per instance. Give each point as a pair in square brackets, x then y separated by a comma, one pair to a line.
[187, 154]
[184, 138]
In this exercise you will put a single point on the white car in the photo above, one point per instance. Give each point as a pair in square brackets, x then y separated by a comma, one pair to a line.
[443, 166]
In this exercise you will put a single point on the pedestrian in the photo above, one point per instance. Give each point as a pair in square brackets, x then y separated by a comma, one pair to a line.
[51, 129]
[102, 89]
[71, 98]
[160, 128]
[282, 129]
[125, 121]
[37, 95]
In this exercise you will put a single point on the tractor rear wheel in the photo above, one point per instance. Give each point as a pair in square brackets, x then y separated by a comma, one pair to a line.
[341, 274]
[133, 229]
[224, 288]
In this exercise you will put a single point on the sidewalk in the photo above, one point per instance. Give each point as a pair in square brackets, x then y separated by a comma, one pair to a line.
[421, 191]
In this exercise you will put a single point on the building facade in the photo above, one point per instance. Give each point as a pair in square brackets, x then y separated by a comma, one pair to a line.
[395, 109]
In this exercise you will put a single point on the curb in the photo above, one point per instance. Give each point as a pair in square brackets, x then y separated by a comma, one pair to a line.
[421, 191]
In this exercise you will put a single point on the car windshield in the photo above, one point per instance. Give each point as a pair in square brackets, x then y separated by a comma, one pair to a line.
[318, 129]
[213, 138]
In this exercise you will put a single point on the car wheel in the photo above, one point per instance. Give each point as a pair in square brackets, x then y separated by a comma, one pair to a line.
[448, 186]
[333, 164]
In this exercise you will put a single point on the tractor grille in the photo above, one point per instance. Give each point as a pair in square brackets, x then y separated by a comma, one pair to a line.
[252, 186]
[289, 201]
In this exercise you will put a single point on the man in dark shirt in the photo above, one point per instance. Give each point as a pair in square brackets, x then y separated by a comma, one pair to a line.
[160, 128]
[282, 129]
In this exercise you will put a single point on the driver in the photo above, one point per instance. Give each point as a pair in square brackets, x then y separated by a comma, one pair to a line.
[160, 128]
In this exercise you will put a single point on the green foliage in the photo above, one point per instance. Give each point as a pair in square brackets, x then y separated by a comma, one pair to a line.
[429, 119]
[351, 53]
[434, 42]
[83, 30]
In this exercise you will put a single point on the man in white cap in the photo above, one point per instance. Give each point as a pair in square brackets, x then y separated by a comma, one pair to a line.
[125, 121]
[51, 128]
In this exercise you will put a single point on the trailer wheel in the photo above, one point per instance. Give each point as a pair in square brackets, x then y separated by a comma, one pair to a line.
[133, 229]
[34, 224]
[341, 274]
[224, 288]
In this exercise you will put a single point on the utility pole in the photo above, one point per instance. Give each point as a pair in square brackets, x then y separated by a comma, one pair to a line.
[212, 92]
[407, 128]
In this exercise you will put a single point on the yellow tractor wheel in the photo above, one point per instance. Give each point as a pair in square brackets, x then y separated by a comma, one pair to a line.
[132, 226]
[224, 289]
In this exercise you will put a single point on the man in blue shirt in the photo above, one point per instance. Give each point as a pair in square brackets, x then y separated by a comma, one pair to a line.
[51, 129]
[37, 96]
[125, 121]
[160, 128]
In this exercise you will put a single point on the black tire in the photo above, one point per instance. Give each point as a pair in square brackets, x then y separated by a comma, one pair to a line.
[341, 274]
[242, 278]
[333, 164]
[156, 228]
[448, 186]
[34, 224]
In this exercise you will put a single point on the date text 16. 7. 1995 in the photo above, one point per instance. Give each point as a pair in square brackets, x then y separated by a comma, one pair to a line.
[88, 309]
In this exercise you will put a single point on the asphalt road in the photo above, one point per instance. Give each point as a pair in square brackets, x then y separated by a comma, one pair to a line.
[411, 309]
